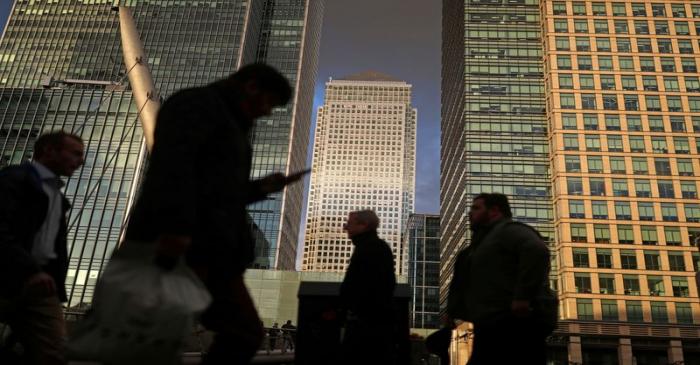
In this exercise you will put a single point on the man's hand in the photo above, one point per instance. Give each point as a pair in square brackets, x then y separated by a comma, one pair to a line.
[41, 283]
[276, 182]
[169, 248]
[520, 308]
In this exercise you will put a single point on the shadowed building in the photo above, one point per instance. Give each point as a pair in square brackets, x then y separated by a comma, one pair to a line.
[422, 240]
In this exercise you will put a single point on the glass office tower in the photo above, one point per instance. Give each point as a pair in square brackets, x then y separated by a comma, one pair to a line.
[422, 239]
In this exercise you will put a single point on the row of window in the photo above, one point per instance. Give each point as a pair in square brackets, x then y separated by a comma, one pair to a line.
[628, 83]
[677, 10]
[623, 210]
[627, 63]
[673, 236]
[658, 311]
[641, 27]
[633, 123]
[630, 285]
[635, 144]
[630, 102]
[665, 189]
[628, 261]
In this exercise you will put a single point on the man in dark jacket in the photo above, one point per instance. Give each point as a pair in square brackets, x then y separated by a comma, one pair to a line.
[33, 252]
[194, 196]
[498, 285]
[366, 293]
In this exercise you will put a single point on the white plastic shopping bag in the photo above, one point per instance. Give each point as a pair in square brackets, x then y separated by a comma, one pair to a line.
[141, 313]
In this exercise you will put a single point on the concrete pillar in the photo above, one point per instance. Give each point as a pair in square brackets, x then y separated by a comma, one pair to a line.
[675, 352]
[575, 354]
[624, 352]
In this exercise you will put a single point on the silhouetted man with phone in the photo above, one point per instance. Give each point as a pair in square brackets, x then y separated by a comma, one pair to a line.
[194, 196]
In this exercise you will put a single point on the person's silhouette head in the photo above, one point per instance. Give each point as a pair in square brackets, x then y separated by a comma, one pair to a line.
[360, 222]
[60, 152]
[488, 208]
[289, 321]
[259, 89]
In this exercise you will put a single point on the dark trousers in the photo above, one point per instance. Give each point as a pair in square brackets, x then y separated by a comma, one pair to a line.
[508, 340]
[234, 319]
[368, 343]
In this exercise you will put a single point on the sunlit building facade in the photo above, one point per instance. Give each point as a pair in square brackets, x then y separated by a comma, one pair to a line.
[364, 158]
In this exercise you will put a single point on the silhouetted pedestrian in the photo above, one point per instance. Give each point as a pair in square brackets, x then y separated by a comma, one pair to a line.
[33, 252]
[290, 332]
[500, 284]
[367, 294]
[194, 196]
[274, 334]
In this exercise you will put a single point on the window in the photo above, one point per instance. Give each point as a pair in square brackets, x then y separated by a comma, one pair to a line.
[597, 186]
[619, 9]
[631, 102]
[603, 44]
[579, 8]
[567, 101]
[634, 311]
[653, 103]
[572, 163]
[688, 190]
[612, 122]
[656, 123]
[658, 145]
[626, 63]
[692, 212]
[657, 10]
[599, 9]
[571, 142]
[574, 186]
[676, 261]
[588, 101]
[607, 82]
[652, 260]
[661, 27]
[649, 83]
[621, 27]
[639, 165]
[605, 63]
[600, 209]
[696, 11]
[623, 211]
[647, 64]
[564, 62]
[662, 166]
[620, 187]
[665, 45]
[592, 142]
[585, 63]
[584, 309]
[641, 27]
[561, 26]
[559, 8]
[581, 26]
[576, 209]
[674, 103]
[692, 84]
[681, 145]
[684, 314]
[631, 284]
[665, 188]
[677, 124]
[685, 46]
[682, 28]
[649, 236]
[673, 235]
[606, 282]
[680, 287]
[629, 82]
[609, 309]
[601, 26]
[578, 233]
[624, 45]
[643, 188]
[583, 44]
[568, 121]
[625, 235]
[685, 167]
[634, 123]
[638, 9]
[668, 64]
[580, 256]
[590, 122]
[694, 104]
[601, 233]
[566, 81]
[604, 258]
[595, 164]
[562, 43]
[655, 284]
[615, 143]
[678, 10]
[671, 83]
[646, 211]
[586, 82]
[659, 314]
[688, 65]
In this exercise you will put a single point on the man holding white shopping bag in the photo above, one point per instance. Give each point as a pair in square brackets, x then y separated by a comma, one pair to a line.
[194, 196]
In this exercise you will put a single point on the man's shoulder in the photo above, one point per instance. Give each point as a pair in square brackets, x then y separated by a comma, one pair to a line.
[16, 172]
[520, 229]
[189, 96]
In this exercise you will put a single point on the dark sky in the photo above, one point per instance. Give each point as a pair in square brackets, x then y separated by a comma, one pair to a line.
[400, 38]
[397, 37]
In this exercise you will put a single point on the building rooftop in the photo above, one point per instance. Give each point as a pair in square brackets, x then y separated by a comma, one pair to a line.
[370, 75]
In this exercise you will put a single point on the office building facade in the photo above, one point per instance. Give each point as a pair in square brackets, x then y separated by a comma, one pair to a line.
[422, 239]
[62, 68]
[364, 158]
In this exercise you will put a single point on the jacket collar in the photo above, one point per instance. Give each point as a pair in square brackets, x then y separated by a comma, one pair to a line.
[362, 238]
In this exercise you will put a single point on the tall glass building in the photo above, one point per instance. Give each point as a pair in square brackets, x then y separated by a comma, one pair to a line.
[422, 239]
[61, 68]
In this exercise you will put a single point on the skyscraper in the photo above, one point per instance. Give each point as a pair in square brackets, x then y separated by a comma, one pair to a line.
[364, 158]
[622, 115]
[66, 72]
[422, 239]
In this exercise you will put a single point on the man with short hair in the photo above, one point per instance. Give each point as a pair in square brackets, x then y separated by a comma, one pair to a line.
[194, 196]
[33, 252]
[500, 284]
[367, 294]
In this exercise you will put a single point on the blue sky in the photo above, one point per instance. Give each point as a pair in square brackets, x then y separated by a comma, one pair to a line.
[397, 37]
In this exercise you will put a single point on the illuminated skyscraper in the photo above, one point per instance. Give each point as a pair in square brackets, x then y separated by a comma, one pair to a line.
[364, 158]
